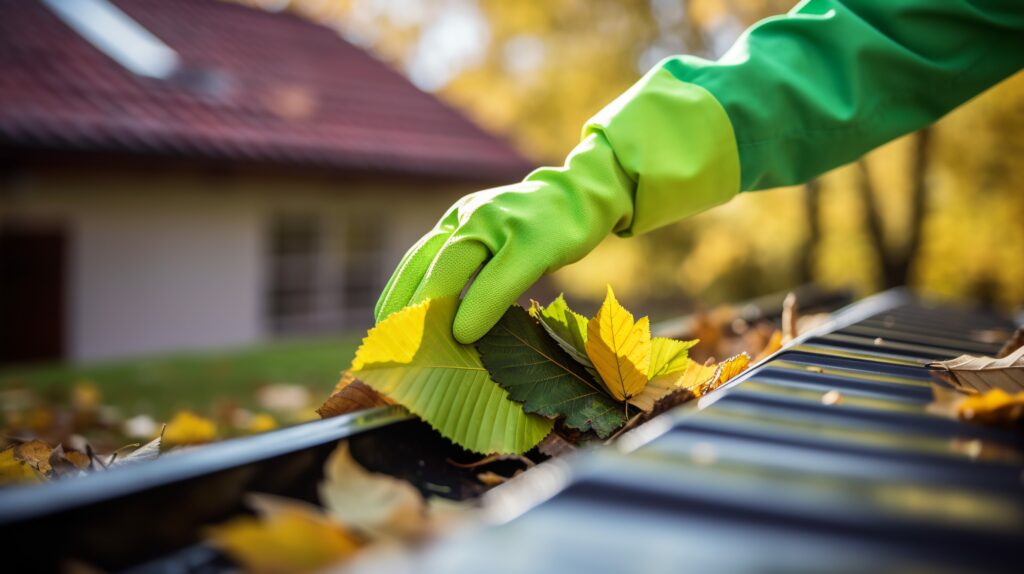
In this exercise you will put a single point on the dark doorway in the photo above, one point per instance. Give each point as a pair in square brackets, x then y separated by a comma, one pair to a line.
[32, 284]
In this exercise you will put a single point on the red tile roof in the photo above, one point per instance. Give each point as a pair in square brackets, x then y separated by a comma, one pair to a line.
[256, 87]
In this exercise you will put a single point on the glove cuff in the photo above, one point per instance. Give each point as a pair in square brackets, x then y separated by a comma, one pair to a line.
[675, 141]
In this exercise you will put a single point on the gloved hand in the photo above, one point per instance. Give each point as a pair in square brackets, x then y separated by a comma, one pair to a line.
[557, 215]
[518, 233]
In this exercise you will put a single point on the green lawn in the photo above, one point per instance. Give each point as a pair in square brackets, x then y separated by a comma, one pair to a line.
[161, 385]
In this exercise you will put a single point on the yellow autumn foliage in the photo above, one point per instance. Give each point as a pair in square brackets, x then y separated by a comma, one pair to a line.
[293, 538]
[620, 348]
[188, 428]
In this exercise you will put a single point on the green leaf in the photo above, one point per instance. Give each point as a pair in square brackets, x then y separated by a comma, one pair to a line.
[668, 356]
[535, 370]
[568, 328]
[412, 358]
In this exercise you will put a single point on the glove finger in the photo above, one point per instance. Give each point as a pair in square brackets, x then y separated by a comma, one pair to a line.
[451, 270]
[500, 283]
[407, 276]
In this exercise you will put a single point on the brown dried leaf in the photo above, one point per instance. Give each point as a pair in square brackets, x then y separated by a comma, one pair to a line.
[77, 458]
[62, 466]
[555, 445]
[36, 454]
[981, 374]
[353, 396]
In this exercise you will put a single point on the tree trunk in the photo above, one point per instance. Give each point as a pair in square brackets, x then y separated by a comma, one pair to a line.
[812, 204]
[918, 205]
[876, 231]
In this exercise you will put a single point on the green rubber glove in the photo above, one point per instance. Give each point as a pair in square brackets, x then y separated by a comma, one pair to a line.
[517, 233]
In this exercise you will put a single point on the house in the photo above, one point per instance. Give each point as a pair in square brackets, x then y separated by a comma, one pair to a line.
[195, 173]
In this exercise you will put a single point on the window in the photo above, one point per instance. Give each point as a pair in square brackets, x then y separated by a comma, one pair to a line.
[361, 254]
[324, 272]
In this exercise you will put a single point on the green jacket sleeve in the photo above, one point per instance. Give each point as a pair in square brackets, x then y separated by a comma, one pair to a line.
[807, 92]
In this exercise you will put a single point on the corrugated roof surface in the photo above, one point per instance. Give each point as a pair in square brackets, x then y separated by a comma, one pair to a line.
[255, 87]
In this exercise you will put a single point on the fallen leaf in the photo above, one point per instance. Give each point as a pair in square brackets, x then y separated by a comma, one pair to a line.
[774, 344]
[287, 537]
[980, 374]
[669, 356]
[537, 372]
[14, 471]
[68, 463]
[353, 396]
[85, 396]
[733, 366]
[377, 505]
[692, 379]
[619, 348]
[148, 451]
[36, 454]
[992, 407]
[77, 458]
[555, 445]
[412, 358]
[567, 327]
[261, 422]
[188, 428]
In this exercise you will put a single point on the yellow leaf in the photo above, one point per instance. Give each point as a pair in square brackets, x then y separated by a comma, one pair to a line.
[733, 366]
[995, 406]
[85, 396]
[693, 378]
[669, 356]
[287, 537]
[619, 348]
[261, 422]
[374, 504]
[188, 428]
[699, 377]
[14, 471]
[774, 344]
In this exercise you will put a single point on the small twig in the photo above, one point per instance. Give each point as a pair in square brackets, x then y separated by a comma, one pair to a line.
[490, 459]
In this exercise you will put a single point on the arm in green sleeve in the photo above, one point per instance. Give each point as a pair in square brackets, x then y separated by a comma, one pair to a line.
[807, 92]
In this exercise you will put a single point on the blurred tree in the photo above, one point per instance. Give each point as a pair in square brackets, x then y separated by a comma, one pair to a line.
[940, 210]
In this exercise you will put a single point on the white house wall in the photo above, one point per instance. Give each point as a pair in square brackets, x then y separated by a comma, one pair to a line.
[171, 261]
